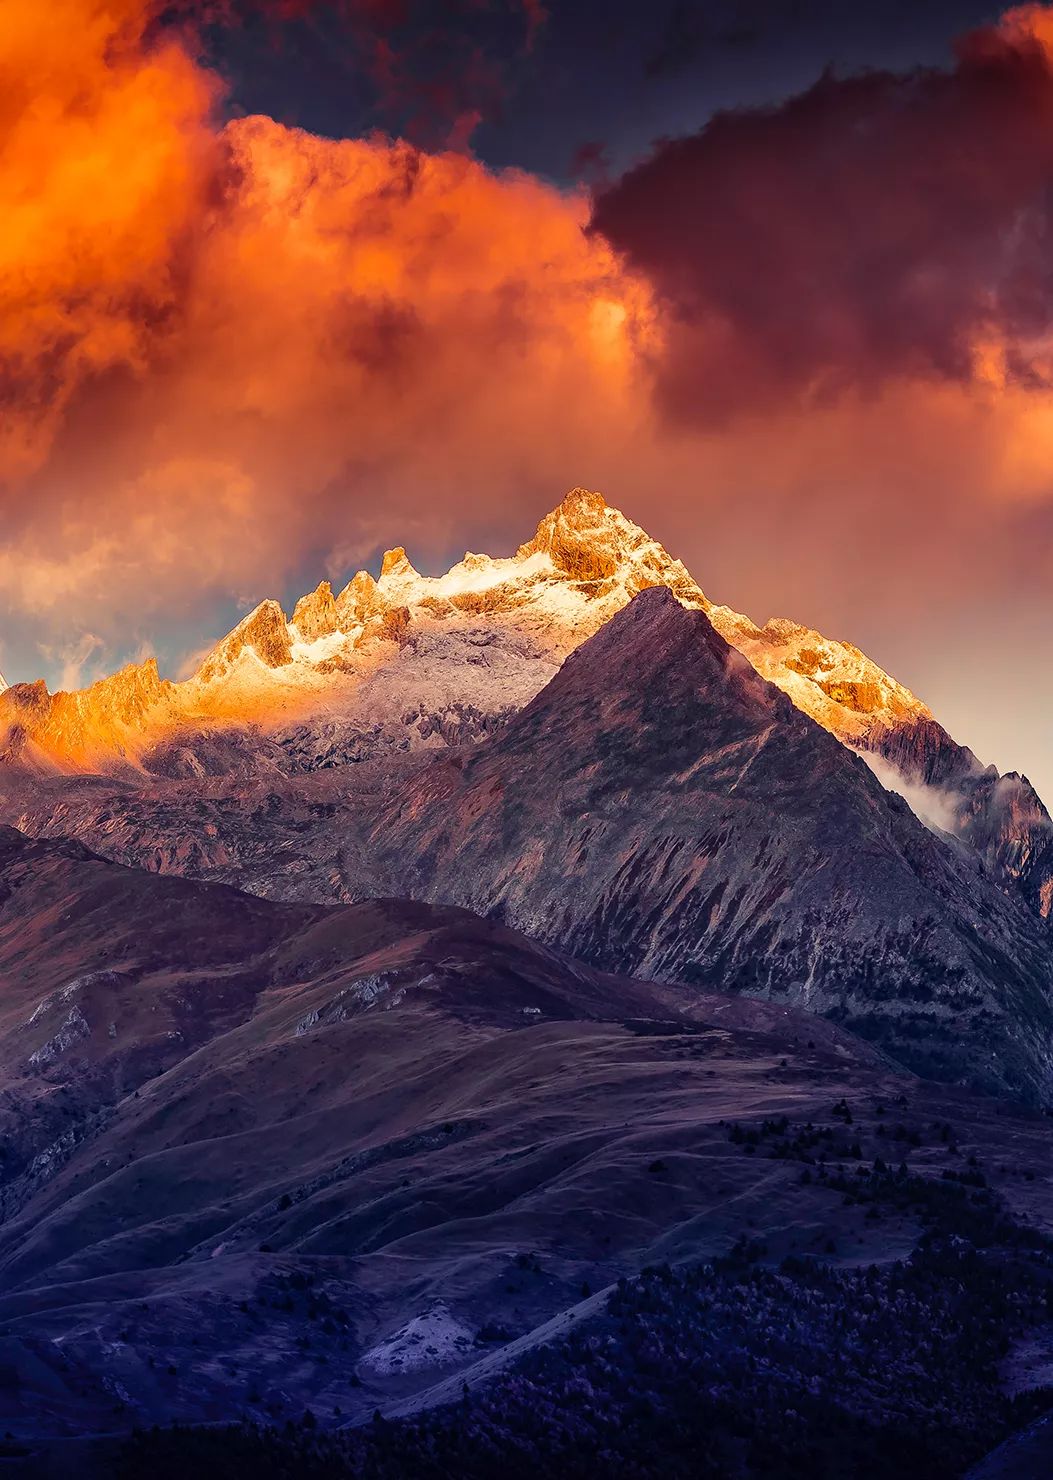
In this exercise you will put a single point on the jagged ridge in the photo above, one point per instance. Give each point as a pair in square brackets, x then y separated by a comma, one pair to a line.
[399, 662]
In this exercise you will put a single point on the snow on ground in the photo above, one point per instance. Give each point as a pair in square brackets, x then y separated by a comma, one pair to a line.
[434, 1339]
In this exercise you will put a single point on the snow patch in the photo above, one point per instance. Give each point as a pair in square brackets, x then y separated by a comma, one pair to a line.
[331, 645]
[434, 1339]
[481, 573]
[348, 1001]
[74, 1029]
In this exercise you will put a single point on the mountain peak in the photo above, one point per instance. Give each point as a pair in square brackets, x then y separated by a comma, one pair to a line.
[589, 540]
[265, 630]
[28, 697]
[679, 649]
[315, 615]
[396, 563]
[653, 625]
[584, 501]
[580, 536]
[357, 601]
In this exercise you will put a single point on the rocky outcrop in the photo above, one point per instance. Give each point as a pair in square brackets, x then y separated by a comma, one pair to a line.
[316, 615]
[1001, 817]
[396, 563]
[264, 631]
[588, 542]
[394, 625]
[28, 705]
[566, 536]
[85, 728]
[357, 601]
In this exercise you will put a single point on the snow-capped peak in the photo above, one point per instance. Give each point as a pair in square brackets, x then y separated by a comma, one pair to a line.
[487, 634]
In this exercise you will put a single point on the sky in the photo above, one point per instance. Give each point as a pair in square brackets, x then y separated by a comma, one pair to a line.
[284, 283]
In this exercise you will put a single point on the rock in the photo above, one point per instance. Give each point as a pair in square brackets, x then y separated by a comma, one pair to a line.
[396, 563]
[265, 631]
[315, 615]
[357, 601]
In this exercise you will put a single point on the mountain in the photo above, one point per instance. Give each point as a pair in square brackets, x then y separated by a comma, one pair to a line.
[261, 1159]
[302, 1161]
[660, 809]
[708, 810]
[410, 663]
[247, 1146]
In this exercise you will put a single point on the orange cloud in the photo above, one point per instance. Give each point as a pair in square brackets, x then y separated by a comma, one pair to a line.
[237, 339]
[107, 152]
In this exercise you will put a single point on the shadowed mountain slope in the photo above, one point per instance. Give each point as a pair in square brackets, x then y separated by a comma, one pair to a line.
[660, 809]
[112, 976]
[410, 1140]
[258, 1156]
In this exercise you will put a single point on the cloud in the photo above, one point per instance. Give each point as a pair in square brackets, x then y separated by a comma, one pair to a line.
[72, 658]
[107, 158]
[225, 345]
[874, 227]
[939, 809]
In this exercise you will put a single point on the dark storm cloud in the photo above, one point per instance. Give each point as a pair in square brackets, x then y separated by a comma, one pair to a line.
[872, 226]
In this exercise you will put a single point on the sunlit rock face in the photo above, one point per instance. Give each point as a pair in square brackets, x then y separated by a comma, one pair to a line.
[264, 633]
[92, 726]
[409, 662]
[315, 615]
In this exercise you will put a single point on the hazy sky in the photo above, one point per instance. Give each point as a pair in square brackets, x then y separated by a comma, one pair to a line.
[283, 284]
